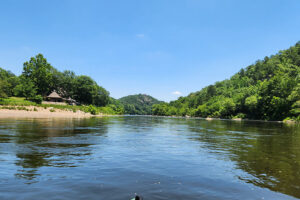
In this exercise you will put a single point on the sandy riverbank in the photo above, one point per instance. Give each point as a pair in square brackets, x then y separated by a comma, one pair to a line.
[39, 112]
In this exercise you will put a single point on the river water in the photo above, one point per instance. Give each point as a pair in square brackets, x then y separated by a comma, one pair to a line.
[155, 157]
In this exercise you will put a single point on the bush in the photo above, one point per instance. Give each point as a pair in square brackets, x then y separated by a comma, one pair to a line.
[37, 99]
[22, 108]
[239, 116]
[91, 109]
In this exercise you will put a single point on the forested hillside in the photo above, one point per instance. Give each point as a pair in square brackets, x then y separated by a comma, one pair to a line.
[266, 90]
[140, 104]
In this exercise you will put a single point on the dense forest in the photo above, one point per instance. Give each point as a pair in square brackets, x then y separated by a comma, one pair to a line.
[266, 90]
[140, 104]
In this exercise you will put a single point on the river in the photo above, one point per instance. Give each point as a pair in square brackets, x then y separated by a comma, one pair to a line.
[158, 158]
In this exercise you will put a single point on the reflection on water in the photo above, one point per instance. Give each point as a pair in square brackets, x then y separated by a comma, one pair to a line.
[161, 158]
[48, 142]
[268, 152]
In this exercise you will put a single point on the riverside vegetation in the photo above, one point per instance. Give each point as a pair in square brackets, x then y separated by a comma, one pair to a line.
[266, 90]
[39, 78]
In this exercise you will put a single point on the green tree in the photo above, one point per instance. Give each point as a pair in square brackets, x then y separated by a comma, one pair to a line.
[251, 103]
[7, 82]
[211, 91]
[64, 83]
[40, 72]
[3, 89]
[88, 92]
[26, 88]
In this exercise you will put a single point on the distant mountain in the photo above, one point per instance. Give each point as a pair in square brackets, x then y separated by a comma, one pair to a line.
[267, 90]
[139, 104]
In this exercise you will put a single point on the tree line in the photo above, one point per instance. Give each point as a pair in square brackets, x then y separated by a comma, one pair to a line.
[39, 78]
[266, 90]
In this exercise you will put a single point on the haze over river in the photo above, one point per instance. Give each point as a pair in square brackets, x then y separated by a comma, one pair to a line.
[158, 158]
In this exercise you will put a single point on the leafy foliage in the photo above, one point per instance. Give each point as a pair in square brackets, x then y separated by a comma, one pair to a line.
[25, 88]
[91, 109]
[7, 83]
[40, 78]
[267, 90]
[37, 99]
[40, 72]
[88, 92]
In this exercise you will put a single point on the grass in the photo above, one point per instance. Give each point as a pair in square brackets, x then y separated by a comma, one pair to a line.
[18, 103]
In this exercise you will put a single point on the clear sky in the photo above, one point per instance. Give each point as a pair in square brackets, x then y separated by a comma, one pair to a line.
[164, 48]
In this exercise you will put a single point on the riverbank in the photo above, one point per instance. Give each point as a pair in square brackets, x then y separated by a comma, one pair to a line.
[235, 119]
[12, 106]
[41, 112]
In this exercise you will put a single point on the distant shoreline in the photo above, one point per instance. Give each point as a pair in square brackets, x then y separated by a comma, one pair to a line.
[221, 119]
[40, 112]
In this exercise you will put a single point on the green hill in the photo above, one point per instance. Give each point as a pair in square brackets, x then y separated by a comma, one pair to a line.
[266, 90]
[140, 104]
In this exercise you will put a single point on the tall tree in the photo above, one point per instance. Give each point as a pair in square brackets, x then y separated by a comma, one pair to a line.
[40, 72]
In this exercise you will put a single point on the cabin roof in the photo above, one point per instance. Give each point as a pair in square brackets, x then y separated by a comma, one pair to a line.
[54, 95]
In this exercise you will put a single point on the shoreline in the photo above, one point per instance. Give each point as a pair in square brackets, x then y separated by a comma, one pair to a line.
[222, 119]
[39, 112]
[50, 112]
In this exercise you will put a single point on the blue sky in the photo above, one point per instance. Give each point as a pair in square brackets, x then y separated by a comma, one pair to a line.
[165, 48]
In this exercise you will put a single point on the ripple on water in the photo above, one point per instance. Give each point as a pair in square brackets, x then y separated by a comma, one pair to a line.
[158, 158]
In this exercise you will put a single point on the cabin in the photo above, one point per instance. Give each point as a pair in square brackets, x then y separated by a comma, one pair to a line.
[54, 97]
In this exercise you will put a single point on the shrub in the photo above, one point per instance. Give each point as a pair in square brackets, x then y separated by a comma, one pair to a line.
[22, 108]
[91, 109]
[37, 99]
[239, 116]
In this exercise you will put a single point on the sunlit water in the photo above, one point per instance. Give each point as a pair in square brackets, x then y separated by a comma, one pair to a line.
[158, 158]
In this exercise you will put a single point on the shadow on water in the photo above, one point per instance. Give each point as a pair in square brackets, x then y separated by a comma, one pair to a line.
[51, 142]
[268, 152]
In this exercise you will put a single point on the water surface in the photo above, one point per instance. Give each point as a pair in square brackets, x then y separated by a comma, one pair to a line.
[158, 158]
